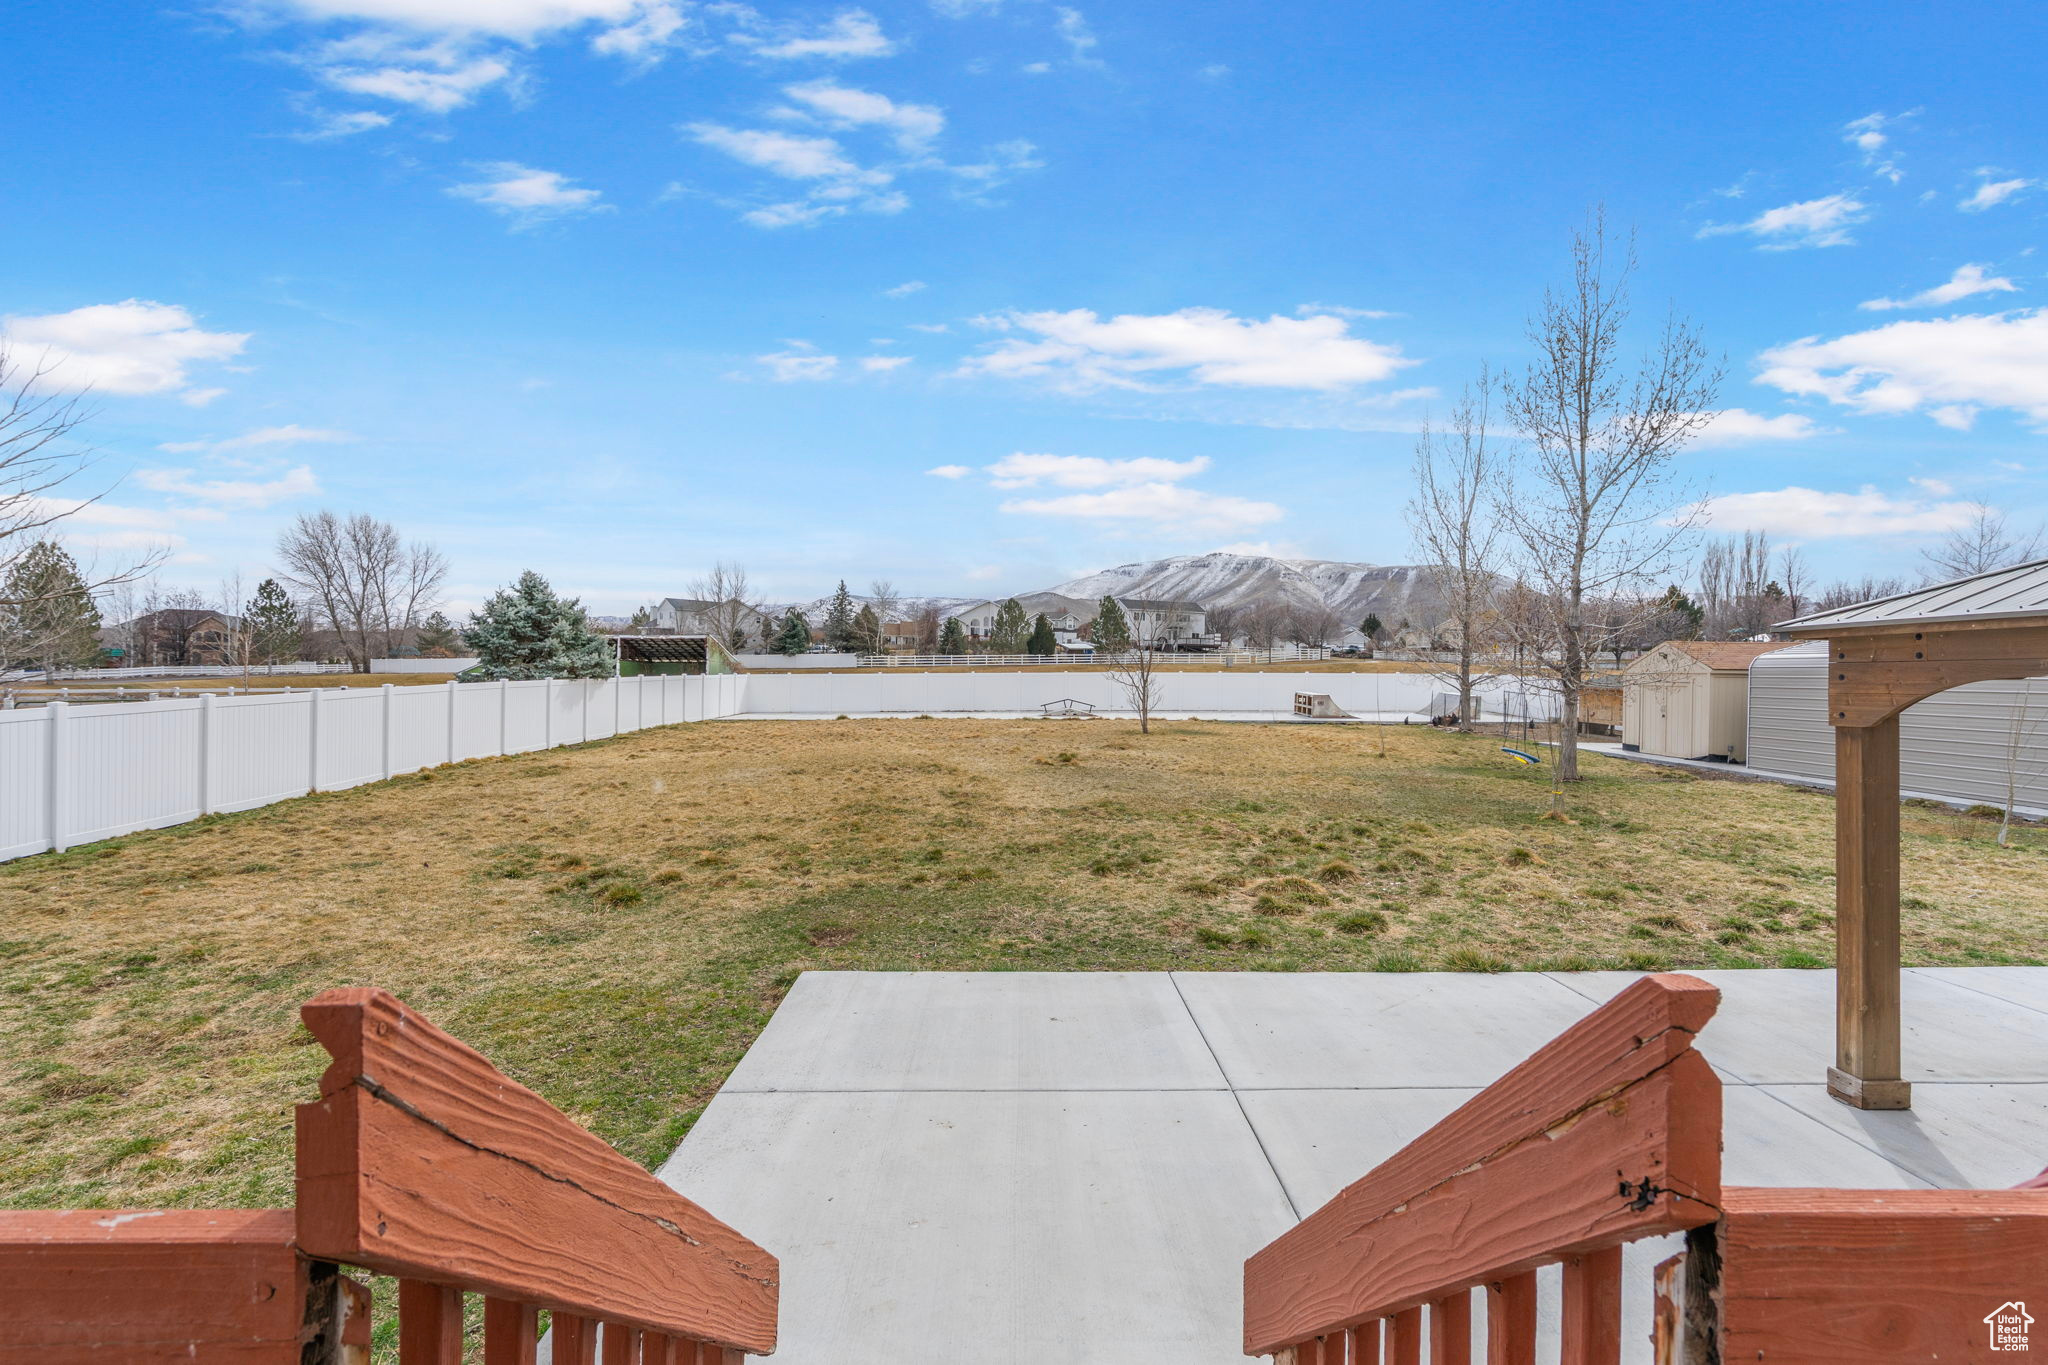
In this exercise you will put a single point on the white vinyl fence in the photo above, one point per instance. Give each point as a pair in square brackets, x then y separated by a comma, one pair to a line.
[884, 692]
[142, 671]
[70, 775]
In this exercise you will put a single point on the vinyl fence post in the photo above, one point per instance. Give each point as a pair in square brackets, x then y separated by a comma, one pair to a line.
[54, 714]
[387, 690]
[547, 706]
[206, 753]
[451, 720]
[313, 738]
[504, 702]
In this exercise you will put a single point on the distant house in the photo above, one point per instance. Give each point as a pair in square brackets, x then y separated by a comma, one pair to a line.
[697, 616]
[183, 637]
[1069, 617]
[1168, 623]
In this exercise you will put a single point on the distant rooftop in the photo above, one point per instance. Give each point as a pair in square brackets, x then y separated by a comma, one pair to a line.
[1728, 654]
[2001, 594]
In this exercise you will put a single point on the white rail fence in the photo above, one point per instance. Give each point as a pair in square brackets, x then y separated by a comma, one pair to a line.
[181, 671]
[1291, 654]
[71, 775]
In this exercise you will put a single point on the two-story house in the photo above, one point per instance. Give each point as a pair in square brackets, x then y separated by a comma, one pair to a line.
[1167, 623]
[696, 616]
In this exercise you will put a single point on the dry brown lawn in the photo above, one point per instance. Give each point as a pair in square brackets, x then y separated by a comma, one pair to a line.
[613, 924]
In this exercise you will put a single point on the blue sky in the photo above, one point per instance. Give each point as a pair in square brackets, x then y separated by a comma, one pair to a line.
[616, 288]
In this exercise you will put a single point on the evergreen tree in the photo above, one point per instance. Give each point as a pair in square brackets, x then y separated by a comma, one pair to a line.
[526, 632]
[952, 637]
[438, 638]
[795, 635]
[272, 620]
[642, 622]
[839, 619]
[867, 630]
[1042, 640]
[1007, 634]
[1678, 616]
[47, 615]
[1372, 626]
[1112, 627]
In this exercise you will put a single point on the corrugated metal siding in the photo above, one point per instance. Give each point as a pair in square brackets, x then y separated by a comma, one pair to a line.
[1954, 745]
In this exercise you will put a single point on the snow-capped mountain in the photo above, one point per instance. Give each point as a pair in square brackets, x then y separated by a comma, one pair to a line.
[1393, 592]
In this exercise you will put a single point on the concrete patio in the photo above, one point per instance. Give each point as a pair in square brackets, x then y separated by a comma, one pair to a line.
[1020, 1167]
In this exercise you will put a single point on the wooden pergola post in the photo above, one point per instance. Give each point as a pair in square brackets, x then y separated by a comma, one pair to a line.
[1883, 657]
[1866, 1069]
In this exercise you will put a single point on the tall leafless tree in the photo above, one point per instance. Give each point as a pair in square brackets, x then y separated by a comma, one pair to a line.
[365, 584]
[732, 606]
[1980, 545]
[888, 605]
[40, 457]
[1594, 508]
[1456, 535]
[1135, 672]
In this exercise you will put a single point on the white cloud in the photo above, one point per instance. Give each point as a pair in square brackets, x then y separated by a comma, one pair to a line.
[528, 195]
[520, 19]
[1934, 488]
[1739, 426]
[291, 434]
[333, 125]
[437, 75]
[790, 155]
[1994, 192]
[950, 471]
[1073, 30]
[1080, 351]
[132, 347]
[1089, 471]
[1813, 222]
[1868, 136]
[800, 362]
[1036, 68]
[643, 38]
[1308, 310]
[852, 33]
[882, 364]
[933, 327]
[903, 290]
[1185, 509]
[239, 494]
[1967, 281]
[1950, 366]
[1808, 514]
[914, 126]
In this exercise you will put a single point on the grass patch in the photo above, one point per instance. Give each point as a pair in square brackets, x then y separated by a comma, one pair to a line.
[613, 925]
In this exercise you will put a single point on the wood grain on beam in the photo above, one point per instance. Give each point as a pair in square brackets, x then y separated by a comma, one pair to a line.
[421, 1160]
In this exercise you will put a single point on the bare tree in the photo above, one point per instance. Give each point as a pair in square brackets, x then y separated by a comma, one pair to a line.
[1982, 544]
[1313, 625]
[1449, 516]
[1852, 592]
[1797, 579]
[1261, 623]
[1225, 623]
[1594, 510]
[888, 605]
[930, 622]
[364, 583]
[1135, 672]
[2022, 741]
[39, 458]
[731, 608]
[239, 649]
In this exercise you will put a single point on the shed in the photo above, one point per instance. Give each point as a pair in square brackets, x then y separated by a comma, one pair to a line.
[1690, 699]
[638, 654]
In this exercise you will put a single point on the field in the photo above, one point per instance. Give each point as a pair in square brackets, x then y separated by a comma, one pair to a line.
[613, 924]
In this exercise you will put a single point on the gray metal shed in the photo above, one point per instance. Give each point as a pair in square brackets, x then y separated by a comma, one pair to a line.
[1954, 746]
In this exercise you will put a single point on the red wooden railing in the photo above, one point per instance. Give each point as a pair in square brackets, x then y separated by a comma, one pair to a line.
[419, 1160]
[1608, 1134]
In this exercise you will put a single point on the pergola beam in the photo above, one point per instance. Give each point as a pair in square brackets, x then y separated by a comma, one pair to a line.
[1883, 656]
